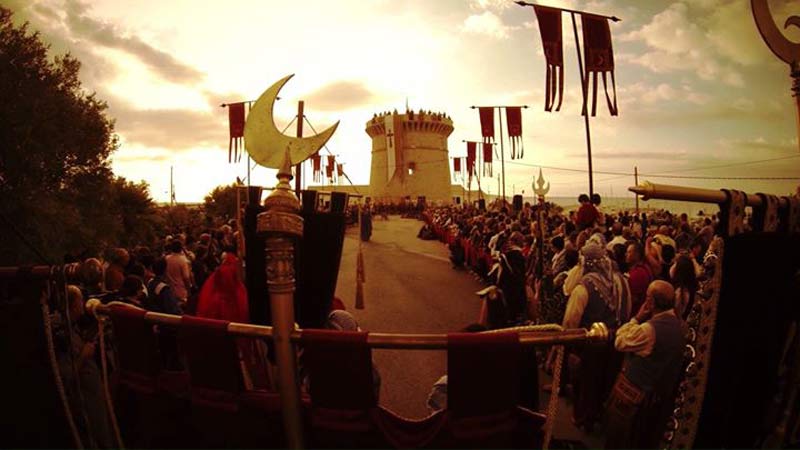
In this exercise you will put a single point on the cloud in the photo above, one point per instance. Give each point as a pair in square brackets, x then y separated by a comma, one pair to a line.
[340, 95]
[486, 23]
[678, 41]
[168, 128]
[107, 35]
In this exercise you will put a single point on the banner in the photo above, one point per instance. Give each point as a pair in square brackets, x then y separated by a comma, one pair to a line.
[550, 29]
[457, 168]
[598, 57]
[487, 123]
[316, 161]
[236, 125]
[514, 121]
[487, 159]
[471, 155]
[339, 171]
[329, 168]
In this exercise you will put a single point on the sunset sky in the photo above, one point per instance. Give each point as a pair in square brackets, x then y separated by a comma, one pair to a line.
[697, 87]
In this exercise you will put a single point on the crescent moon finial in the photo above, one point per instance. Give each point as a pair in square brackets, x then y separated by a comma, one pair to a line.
[264, 141]
[783, 48]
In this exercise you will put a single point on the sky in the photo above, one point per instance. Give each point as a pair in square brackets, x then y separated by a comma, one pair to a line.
[699, 92]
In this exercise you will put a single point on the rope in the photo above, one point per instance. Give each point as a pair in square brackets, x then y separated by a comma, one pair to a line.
[106, 391]
[51, 353]
[552, 404]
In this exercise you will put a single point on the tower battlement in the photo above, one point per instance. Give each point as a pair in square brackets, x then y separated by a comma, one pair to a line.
[420, 121]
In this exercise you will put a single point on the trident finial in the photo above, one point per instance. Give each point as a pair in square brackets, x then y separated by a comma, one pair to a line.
[538, 187]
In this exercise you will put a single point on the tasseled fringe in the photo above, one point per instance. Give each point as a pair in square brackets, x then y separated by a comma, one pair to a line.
[554, 87]
[235, 149]
[611, 100]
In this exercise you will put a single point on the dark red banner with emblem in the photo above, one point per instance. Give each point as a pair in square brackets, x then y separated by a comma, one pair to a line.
[316, 163]
[487, 123]
[552, 41]
[329, 167]
[487, 159]
[514, 121]
[598, 58]
[236, 124]
[471, 153]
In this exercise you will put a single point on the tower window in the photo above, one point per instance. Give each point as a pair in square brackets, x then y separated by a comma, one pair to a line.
[412, 167]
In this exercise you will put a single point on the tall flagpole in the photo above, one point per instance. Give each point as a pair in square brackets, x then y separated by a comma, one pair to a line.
[584, 88]
[298, 171]
[502, 153]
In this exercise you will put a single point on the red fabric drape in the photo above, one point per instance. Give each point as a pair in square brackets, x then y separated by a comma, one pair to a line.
[223, 295]
[329, 167]
[598, 57]
[457, 167]
[487, 159]
[236, 123]
[471, 154]
[552, 41]
[339, 170]
[514, 121]
[316, 161]
[487, 123]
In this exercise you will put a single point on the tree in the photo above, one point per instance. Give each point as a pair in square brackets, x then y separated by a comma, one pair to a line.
[56, 186]
[221, 203]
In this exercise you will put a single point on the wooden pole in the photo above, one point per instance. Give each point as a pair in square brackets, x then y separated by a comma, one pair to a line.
[636, 182]
[502, 152]
[584, 88]
[298, 170]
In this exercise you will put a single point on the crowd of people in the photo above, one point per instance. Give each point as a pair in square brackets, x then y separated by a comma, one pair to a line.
[640, 275]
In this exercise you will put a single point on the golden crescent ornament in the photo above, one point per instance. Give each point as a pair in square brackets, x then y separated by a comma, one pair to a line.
[783, 48]
[264, 141]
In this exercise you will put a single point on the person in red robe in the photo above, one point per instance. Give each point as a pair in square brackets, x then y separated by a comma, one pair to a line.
[224, 296]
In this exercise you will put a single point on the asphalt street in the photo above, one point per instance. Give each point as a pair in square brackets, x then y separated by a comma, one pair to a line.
[411, 287]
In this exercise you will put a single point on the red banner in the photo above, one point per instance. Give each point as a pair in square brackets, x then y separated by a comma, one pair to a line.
[487, 123]
[316, 162]
[457, 167]
[339, 170]
[329, 167]
[598, 57]
[236, 124]
[470, 159]
[552, 41]
[514, 121]
[487, 159]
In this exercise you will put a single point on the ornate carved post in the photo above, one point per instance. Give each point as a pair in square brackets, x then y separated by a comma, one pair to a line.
[281, 226]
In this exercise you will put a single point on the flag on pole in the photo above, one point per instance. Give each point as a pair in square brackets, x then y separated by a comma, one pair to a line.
[329, 167]
[236, 125]
[456, 168]
[470, 160]
[514, 121]
[487, 159]
[550, 29]
[487, 123]
[339, 171]
[316, 163]
[599, 59]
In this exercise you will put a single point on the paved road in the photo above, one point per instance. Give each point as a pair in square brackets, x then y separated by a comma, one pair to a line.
[410, 288]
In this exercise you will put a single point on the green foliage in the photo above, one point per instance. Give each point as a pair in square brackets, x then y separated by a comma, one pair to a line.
[221, 202]
[57, 190]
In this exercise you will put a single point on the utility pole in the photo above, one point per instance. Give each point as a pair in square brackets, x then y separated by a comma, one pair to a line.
[171, 189]
[636, 183]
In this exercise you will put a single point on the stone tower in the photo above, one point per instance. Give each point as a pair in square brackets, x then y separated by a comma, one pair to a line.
[409, 156]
